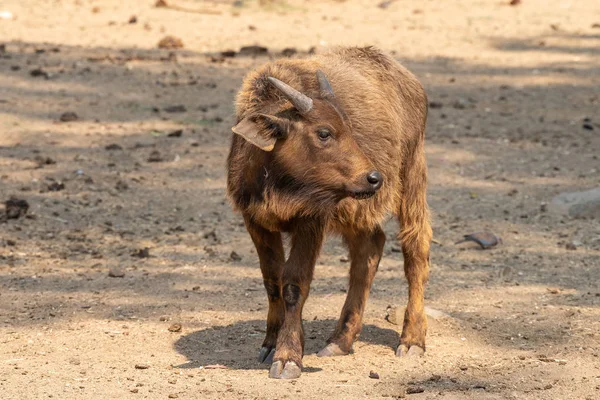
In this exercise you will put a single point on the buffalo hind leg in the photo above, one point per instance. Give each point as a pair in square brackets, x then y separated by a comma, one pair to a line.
[307, 237]
[272, 257]
[416, 238]
[366, 249]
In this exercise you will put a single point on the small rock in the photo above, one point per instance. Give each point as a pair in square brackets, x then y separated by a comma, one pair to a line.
[38, 72]
[134, 390]
[588, 126]
[116, 272]
[235, 256]
[596, 25]
[176, 327]
[133, 20]
[15, 208]
[577, 204]
[228, 53]
[69, 116]
[289, 51]
[435, 104]
[170, 42]
[113, 146]
[344, 259]
[373, 375]
[253, 51]
[571, 246]
[514, 2]
[396, 249]
[179, 108]
[175, 134]
[141, 253]
[415, 390]
[173, 396]
[155, 157]
[10, 242]
[56, 186]
[142, 366]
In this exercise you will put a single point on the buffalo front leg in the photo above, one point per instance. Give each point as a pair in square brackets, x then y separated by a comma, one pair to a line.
[307, 237]
[416, 238]
[366, 249]
[272, 257]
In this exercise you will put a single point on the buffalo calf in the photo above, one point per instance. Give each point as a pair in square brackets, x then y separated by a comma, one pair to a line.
[331, 144]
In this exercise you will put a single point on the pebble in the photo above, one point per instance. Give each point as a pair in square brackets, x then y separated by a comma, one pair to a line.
[373, 375]
[15, 208]
[116, 272]
[170, 43]
[69, 116]
[113, 146]
[414, 390]
[141, 253]
[56, 186]
[253, 51]
[577, 204]
[175, 134]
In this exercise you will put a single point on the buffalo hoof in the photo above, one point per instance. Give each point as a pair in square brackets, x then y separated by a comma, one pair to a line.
[265, 356]
[291, 370]
[331, 350]
[412, 351]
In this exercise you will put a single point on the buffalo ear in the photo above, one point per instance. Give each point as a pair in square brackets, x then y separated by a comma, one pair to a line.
[262, 130]
[252, 130]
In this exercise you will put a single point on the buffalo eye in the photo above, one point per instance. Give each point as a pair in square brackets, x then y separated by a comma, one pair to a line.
[323, 134]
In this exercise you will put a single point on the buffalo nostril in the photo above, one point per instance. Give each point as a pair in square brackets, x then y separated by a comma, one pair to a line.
[375, 179]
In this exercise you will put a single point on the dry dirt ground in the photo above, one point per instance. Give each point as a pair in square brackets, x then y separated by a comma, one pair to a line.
[511, 88]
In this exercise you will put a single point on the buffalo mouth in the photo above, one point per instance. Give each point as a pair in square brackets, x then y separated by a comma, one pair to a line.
[363, 194]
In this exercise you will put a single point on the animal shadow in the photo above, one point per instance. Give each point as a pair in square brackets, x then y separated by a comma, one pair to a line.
[236, 346]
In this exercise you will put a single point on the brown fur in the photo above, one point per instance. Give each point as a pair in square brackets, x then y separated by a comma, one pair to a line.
[306, 186]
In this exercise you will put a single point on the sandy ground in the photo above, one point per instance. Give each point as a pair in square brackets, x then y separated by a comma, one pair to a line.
[510, 88]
